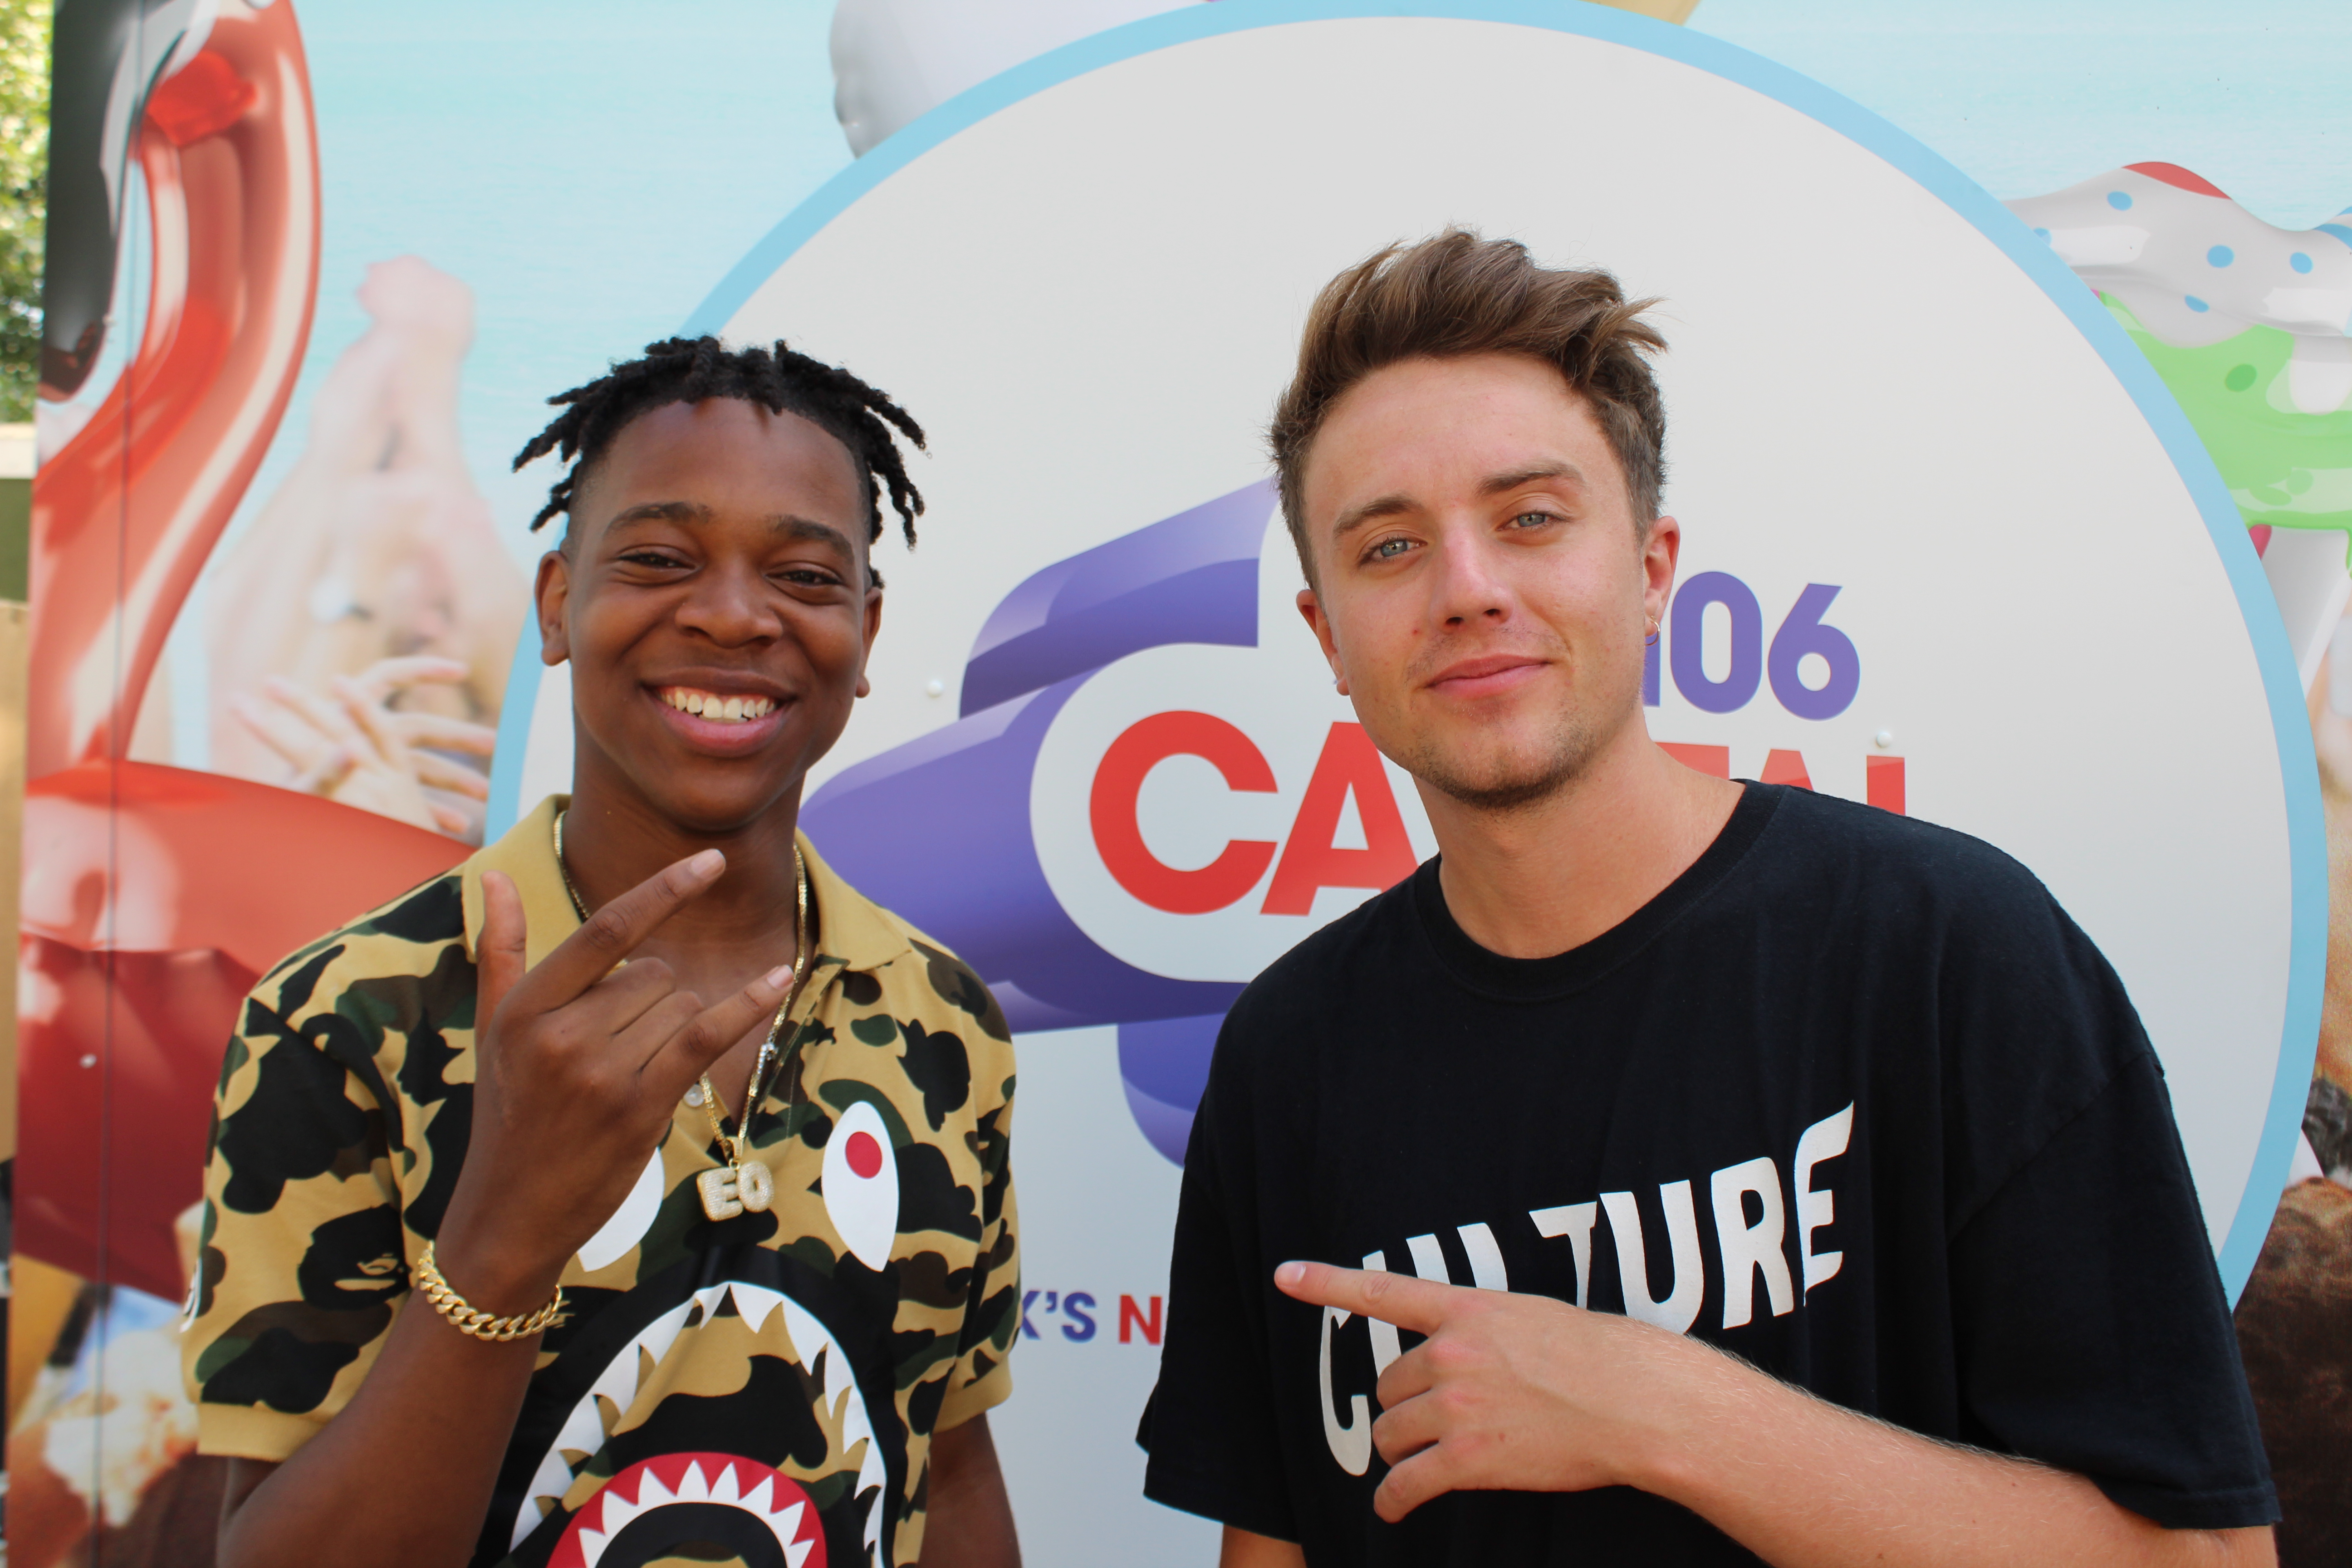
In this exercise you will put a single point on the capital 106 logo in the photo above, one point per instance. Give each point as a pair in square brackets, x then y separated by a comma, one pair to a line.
[1151, 791]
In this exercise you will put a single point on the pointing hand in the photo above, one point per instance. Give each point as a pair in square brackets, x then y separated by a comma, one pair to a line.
[1510, 1392]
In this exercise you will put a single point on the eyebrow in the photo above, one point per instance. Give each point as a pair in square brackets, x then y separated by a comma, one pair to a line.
[660, 512]
[815, 532]
[1355, 516]
[691, 513]
[1397, 501]
[1497, 484]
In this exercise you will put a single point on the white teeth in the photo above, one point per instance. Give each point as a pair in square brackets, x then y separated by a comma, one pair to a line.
[720, 710]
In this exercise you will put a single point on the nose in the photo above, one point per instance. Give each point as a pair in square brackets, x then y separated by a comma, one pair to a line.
[731, 605]
[1466, 587]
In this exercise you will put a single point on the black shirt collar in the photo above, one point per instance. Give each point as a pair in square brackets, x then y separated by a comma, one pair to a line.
[1537, 979]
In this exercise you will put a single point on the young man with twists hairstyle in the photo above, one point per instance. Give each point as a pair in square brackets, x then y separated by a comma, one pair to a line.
[1675, 1170]
[516, 1250]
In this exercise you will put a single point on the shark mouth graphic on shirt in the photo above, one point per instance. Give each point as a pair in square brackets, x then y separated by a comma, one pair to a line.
[814, 1346]
[643, 1513]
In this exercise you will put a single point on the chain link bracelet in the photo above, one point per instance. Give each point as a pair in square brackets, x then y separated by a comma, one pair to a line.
[473, 1321]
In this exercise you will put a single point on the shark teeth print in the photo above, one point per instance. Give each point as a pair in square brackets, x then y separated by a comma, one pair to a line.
[813, 1346]
[775, 1499]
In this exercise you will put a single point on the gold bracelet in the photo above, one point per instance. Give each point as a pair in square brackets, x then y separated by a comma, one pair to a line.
[473, 1321]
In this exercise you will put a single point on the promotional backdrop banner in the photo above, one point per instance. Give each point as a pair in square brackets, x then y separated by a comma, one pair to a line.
[1956, 545]
[1103, 759]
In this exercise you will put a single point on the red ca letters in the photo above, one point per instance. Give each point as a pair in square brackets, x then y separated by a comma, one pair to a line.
[1348, 762]
[1118, 780]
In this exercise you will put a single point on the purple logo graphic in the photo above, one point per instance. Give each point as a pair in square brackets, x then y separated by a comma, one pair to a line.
[937, 830]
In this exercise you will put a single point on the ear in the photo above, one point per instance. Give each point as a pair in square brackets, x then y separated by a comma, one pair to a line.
[873, 630]
[552, 593]
[1311, 608]
[1660, 551]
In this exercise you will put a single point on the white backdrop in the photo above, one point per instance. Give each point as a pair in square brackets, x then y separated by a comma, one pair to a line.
[1086, 279]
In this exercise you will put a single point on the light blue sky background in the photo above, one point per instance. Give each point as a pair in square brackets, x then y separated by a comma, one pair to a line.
[2029, 95]
[592, 169]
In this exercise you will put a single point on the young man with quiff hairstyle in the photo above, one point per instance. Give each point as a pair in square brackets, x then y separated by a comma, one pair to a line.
[1735, 1173]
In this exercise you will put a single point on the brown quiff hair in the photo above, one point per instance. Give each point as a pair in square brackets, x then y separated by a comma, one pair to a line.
[1456, 294]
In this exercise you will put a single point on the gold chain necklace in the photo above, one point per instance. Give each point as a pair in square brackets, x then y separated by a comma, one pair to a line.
[743, 1183]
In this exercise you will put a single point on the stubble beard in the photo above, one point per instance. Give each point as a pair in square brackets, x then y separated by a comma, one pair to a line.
[1515, 782]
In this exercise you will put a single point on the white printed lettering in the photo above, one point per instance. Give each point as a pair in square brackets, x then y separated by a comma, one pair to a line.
[1486, 1269]
[1824, 1139]
[1680, 1308]
[1573, 1220]
[1749, 1248]
[1351, 1445]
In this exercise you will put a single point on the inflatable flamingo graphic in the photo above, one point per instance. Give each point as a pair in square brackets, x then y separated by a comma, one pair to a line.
[154, 897]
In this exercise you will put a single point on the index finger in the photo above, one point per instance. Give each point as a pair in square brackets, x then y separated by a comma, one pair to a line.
[614, 931]
[1417, 1306]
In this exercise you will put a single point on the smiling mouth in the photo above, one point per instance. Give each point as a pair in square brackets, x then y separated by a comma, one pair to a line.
[1471, 673]
[714, 708]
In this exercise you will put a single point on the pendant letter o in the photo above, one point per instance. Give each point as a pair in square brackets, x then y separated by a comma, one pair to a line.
[755, 1186]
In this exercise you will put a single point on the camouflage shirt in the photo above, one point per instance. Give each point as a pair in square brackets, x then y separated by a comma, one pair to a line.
[761, 1389]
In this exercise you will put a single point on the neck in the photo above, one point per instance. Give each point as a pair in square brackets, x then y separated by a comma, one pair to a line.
[615, 839]
[1541, 879]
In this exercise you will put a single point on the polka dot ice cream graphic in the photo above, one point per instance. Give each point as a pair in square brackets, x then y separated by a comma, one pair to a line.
[2248, 325]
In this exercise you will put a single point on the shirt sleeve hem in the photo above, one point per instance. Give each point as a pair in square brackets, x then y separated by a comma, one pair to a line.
[2240, 1508]
[1189, 1492]
[976, 1398]
[248, 1432]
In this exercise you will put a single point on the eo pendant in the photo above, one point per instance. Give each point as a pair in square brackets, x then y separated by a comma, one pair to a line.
[717, 1189]
[730, 1190]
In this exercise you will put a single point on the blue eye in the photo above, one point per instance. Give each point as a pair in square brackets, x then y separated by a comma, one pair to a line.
[1531, 519]
[1390, 549]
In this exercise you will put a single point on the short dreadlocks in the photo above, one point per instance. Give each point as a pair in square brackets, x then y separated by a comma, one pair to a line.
[689, 370]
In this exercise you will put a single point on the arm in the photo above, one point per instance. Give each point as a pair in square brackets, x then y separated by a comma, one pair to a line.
[969, 1522]
[431, 1421]
[575, 1073]
[1528, 1394]
[970, 1518]
[1242, 1550]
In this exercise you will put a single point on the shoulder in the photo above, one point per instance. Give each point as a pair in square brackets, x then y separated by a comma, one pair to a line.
[925, 976]
[1826, 827]
[340, 1051]
[890, 962]
[404, 961]
[1899, 894]
[899, 986]
[1898, 862]
[1279, 1009]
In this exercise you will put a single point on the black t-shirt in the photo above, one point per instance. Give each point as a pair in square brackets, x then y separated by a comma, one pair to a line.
[1851, 1097]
